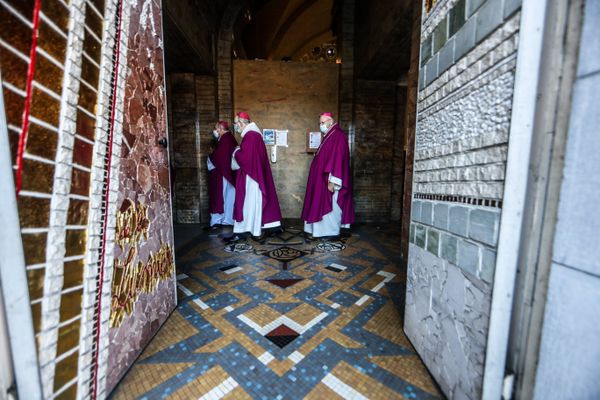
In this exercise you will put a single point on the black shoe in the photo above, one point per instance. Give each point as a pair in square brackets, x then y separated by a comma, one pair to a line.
[237, 238]
[259, 239]
[309, 237]
[345, 233]
[231, 239]
[212, 228]
[270, 232]
[329, 238]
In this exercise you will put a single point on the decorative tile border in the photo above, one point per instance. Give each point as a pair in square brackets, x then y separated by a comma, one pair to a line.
[460, 199]
[91, 320]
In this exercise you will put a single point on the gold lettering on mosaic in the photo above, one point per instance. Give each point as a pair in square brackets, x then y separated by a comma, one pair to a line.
[133, 277]
[132, 223]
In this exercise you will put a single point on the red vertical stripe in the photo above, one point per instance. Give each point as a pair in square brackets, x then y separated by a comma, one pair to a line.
[28, 90]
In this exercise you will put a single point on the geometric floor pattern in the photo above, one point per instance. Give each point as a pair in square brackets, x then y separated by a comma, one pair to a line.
[328, 327]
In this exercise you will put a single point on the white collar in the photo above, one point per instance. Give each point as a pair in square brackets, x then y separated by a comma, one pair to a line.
[250, 127]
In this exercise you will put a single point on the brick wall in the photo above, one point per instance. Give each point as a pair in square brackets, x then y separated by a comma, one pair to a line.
[193, 114]
[375, 110]
[346, 107]
[225, 76]
[412, 78]
[399, 155]
[207, 116]
[184, 132]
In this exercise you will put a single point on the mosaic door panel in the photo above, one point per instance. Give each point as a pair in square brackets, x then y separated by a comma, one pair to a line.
[70, 99]
[143, 286]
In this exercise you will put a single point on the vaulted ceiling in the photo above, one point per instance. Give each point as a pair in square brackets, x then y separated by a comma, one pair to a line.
[264, 29]
[286, 28]
[290, 30]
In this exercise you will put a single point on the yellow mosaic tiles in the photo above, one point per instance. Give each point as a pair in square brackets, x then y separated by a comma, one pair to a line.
[329, 327]
[144, 377]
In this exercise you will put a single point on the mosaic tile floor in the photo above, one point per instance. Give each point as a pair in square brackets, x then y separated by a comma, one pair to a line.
[327, 327]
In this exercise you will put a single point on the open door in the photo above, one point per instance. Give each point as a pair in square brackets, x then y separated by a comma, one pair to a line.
[477, 83]
[16, 325]
[143, 283]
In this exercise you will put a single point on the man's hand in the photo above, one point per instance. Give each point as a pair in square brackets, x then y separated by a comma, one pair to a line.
[331, 187]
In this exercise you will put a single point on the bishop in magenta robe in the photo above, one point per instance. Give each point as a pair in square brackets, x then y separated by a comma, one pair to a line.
[221, 178]
[256, 203]
[328, 204]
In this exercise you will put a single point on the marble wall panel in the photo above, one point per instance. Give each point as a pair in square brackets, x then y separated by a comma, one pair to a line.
[144, 180]
[446, 318]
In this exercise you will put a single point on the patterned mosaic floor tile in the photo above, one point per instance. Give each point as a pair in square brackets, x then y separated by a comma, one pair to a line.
[288, 319]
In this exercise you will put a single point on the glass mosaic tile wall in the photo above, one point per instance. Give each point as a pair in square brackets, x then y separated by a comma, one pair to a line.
[65, 109]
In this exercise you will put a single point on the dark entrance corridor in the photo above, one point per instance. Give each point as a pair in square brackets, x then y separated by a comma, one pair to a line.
[434, 164]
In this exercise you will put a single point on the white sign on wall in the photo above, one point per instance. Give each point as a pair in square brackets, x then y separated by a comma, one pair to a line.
[281, 138]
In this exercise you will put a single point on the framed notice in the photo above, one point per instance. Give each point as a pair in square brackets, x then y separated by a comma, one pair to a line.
[281, 138]
[313, 141]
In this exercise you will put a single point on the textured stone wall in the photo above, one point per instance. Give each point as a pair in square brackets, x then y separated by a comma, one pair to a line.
[447, 312]
[288, 96]
[468, 61]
